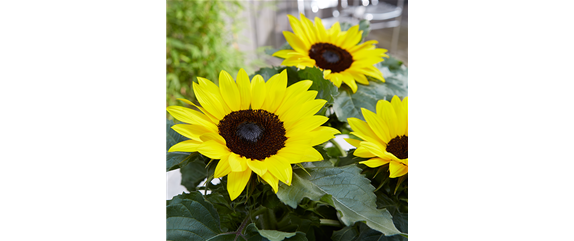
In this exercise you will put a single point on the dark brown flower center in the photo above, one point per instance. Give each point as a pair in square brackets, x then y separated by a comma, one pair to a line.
[328, 56]
[399, 146]
[254, 134]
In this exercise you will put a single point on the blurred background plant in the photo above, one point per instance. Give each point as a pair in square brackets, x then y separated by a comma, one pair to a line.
[201, 41]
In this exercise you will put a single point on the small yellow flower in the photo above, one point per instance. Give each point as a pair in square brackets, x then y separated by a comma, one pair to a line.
[261, 127]
[385, 136]
[338, 53]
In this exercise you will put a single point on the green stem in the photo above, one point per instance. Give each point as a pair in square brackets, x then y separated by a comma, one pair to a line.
[343, 152]
[239, 231]
[329, 222]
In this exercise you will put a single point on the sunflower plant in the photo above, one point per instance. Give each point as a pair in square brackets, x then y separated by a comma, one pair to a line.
[262, 154]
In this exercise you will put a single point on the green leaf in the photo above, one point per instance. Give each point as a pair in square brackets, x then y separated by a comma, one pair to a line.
[268, 72]
[349, 159]
[191, 217]
[274, 235]
[345, 189]
[325, 88]
[193, 172]
[364, 25]
[347, 104]
[292, 75]
[265, 72]
[394, 206]
[172, 136]
[361, 232]
[174, 160]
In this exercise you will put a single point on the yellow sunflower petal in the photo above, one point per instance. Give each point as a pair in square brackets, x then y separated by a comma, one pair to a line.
[244, 87]
[290, 116]
[334, 31]
[296, 43]
[278, 168]
[352, 37]
[291, 93]
[272, 181]
[291, 156]
[210, 116]
[190, 116]
[320, 29]
[212, 136]
[185, 146]
[362, 130]
[284, 53]
[405, 161]
[275, 87]
[326, 72]
[397, 169]
[401, 114]
[288, 170]
[387, 117]
[336, 78]
[236, 182]
[209, 103]
[222, 168]
[190, 131]
[375, 162]
[374, 72]
[311, 155]
[374, 148]
[359, 77]
[365, 45]
[363, 152]
[300, 33]
[258, 92]
[237, 163]
[303, 108]
[306, 125]
[229, 91]
[300, 63]
[213, 149]
[353, 142]
[350, 81]
[323, 134]
[311, 107]
[257, 166]
[406, 108]
[309, 29]
[378, 126]
[211, 91]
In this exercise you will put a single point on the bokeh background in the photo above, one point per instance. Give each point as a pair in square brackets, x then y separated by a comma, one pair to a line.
[207, 36]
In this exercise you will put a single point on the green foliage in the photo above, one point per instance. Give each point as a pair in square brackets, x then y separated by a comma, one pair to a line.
[347, 104]
[174, 160]
[335, 199]
[199, 43]
[325, 88]
[343, 188]
[190, 217]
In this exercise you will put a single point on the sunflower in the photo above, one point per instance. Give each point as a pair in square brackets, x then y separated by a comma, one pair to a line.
[338, 53]
[385, 136]
[261, 127]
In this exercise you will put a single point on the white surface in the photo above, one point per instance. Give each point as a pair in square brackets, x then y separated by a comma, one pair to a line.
[175, 188]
